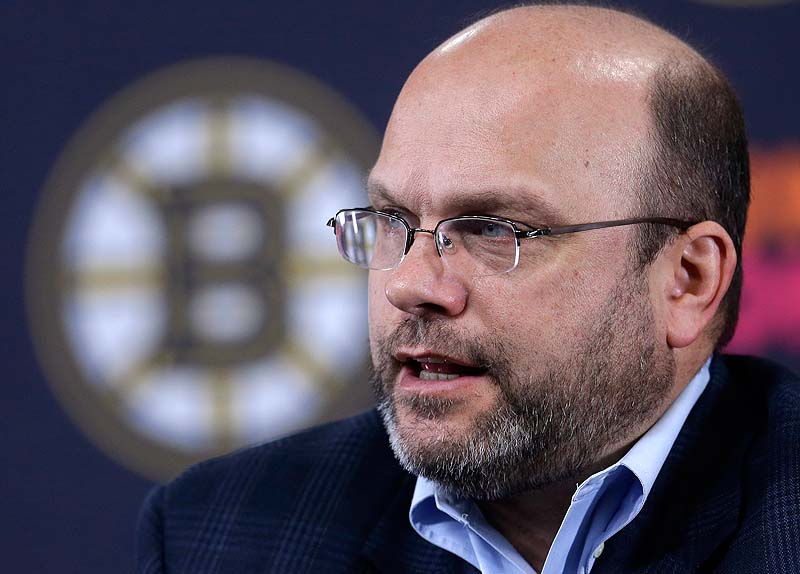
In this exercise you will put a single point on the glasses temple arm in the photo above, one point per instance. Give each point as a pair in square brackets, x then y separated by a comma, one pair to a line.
[680, 224]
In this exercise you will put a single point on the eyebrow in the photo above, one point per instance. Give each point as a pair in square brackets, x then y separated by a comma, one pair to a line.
[523, 204]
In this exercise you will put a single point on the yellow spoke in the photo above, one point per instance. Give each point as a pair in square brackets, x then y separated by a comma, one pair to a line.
[222, 408]
[137, 180]
[293, 185]
[300, 269]
[139, 374]
[104, 279]
[219, 148]
[300, 358]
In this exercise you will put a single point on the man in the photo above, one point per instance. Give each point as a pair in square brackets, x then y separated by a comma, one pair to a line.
[554, 239]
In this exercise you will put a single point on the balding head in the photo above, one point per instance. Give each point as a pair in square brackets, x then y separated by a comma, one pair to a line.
[624, 109]
[596, 43]
[543, 54]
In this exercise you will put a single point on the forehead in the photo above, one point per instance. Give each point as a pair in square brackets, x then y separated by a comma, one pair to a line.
[502, 198]
[569, 147]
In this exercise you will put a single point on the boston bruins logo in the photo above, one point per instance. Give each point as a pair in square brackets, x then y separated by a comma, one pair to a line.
[185, 296]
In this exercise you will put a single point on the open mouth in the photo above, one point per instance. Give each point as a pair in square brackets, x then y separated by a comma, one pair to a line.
[438, 369]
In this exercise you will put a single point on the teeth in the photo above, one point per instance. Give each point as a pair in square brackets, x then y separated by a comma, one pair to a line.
[431, 360]
[430, 376]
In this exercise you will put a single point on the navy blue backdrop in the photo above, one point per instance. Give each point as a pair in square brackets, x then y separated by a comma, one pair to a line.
[66, 507]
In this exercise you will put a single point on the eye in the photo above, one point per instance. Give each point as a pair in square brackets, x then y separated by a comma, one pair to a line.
[485, 228]
[493, 229]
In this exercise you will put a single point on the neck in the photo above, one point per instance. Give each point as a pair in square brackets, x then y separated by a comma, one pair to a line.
[530, 521]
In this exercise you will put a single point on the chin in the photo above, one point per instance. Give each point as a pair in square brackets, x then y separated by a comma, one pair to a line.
[434, 417]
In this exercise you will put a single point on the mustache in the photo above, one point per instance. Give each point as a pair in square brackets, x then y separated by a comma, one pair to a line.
[437, 335]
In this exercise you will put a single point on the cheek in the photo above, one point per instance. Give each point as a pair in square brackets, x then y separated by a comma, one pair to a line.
[378, 307]
[545, 314]
[528, 299]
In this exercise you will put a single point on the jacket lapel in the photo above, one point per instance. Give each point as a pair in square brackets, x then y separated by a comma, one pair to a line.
[694, 506]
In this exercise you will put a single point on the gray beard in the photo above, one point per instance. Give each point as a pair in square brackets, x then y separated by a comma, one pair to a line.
[540, 431]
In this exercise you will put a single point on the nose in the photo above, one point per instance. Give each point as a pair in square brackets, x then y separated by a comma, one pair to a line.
[422, 286]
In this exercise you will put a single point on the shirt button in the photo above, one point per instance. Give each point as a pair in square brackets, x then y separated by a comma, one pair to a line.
[599, 550]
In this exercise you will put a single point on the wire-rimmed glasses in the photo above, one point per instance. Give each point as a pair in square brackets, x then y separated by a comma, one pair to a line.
[476, 245]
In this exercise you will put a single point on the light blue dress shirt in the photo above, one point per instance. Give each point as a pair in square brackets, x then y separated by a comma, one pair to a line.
[602, 505]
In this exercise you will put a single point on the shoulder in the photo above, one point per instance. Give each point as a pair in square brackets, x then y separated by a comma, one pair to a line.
[337, 451]
[768, 396]
[320, 492]
[766, 388]
[758, 369]
[758, 406]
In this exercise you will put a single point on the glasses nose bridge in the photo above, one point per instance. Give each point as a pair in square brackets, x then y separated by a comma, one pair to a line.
[412, 235]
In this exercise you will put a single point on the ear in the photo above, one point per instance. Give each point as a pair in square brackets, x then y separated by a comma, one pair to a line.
[697, 273]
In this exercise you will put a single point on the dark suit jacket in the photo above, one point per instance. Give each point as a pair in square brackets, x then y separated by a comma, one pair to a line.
[334, 500]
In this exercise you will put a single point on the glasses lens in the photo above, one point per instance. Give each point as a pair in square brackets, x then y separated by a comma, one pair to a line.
[478, 246]
[370, 240]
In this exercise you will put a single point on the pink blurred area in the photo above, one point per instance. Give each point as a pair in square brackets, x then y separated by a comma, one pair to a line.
[769, 320]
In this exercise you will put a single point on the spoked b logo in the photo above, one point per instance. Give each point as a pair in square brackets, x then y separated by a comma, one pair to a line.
[185, 296]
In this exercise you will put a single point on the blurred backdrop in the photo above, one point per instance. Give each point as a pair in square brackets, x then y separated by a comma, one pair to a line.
[171, 290]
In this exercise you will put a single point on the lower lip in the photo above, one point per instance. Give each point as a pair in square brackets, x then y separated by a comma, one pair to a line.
[408, 381]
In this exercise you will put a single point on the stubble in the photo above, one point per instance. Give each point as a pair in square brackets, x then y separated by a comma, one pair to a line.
[540, 430]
